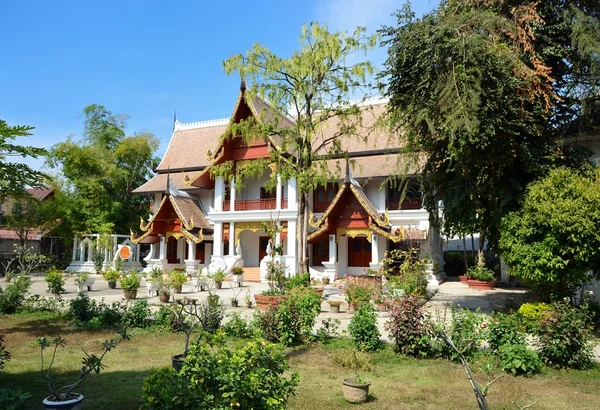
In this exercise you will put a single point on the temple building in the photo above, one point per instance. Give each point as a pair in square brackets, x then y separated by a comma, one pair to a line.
[200, 218]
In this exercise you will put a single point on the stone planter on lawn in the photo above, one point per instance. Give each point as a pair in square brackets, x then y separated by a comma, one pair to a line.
[355, 391]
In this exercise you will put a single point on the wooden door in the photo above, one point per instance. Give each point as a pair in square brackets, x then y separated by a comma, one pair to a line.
[359, 252]
[263, 241]
[172, 250]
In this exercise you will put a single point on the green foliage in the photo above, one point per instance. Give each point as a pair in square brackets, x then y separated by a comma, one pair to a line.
[408, 329]
[97, 174]
[15, 176]
[356, 293]
[504, 330]
[466, 330]
[563, 336]
[249, 376]
[136, 315]
[485, 89]
[238, 327]
[218, 276]
[177, 277]
[298, 281]
[166, 319]
[406, 272]
[82, 308]
[345, 358]
[533, 313]
[5, 355]
[55, 280]
[481, 273]
[13, 399]
[237, 270]
[131, 281]
[519, 360]
[28, 214]
[363, 328]
[553, 241]
[13, 295]
[111, 275]
[292, 320]
[98, 260]
[329, 329]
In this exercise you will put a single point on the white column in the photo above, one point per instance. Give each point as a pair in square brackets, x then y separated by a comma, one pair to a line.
[81, 251]
[75, 240]
[219, 190]
[162, 255]
[90, 251]
[207, 253]
[382, 199]
[278, 235]
[374, 251]
[292, 198]
[137, 253]
[181, 249]
[332, 249]
[231, 238]
[232, 196]
[218, 239]
[191, 250]
[278, 193]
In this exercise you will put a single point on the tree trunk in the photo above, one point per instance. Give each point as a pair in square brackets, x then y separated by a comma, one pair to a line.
[465, 254]
[480, 258]
[302, 233]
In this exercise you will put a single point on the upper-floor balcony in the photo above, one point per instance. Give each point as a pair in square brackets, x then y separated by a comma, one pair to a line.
[255, 204]
[407, 204]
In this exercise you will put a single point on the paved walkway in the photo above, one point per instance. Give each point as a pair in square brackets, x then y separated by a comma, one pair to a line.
[451, 291]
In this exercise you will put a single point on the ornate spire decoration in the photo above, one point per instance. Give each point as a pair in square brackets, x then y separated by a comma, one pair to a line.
[243, 85]
[348, 178]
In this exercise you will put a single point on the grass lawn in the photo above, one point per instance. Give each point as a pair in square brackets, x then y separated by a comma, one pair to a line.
[397, 383]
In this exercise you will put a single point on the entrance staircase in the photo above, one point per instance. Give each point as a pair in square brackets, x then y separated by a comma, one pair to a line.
[250, 275]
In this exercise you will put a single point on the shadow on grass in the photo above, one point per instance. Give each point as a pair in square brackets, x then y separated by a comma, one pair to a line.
[108, 390]
[40, 326]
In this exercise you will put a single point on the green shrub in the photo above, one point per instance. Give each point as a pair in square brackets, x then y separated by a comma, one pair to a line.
[82, 309]
[216, 376]
[4, 354]
[357, 293]
[466, 330]
[130, 282]
[238, 327]
[345, 358]
[13, 296]
[218, 276]
[111, 275]
[407, 328]
[298, 281]
[98, 260]
[519, 360]
[290, 322]
[564, 336]
[363, 328]
[136, 314]
[166, 319]
[533, 313]
[55, 280]
[12, 399]
[504, 330]
[481, 273]
[177, 277]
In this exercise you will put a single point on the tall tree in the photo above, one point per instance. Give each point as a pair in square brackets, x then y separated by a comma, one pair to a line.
[312, 86]
[487, 89]
[28, 214]
[97, 174]
[15, 177]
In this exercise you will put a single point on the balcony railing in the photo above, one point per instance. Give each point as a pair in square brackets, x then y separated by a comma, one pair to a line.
[392, 204]
[255, 204]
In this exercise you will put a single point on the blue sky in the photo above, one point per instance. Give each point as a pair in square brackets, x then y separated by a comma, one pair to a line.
[148, 58]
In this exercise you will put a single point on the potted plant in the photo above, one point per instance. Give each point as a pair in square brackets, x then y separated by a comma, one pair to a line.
[218, 277]
[178, 277]
[481, 278]
[83, 280]
[191, 314]
[238, 275]
[152, 279]
[325, 280]
[111, 276]
[9, 275]
[234, 299]
[334, 306]
[55, 280]
[163, 288]
[355, 389]
[130, 284]
[65, 397]
[199, 281]
[357, 294]
[247, 299]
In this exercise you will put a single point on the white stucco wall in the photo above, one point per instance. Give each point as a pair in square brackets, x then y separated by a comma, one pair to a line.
[251, 189]
[249, 242]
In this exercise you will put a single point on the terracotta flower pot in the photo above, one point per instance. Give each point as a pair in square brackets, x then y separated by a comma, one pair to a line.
[263, 301]
[355, 391]
[164, 298]
[130, 294]
[480, 284]
[463, 279]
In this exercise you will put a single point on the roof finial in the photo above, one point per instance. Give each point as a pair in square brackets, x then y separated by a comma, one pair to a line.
[243, 85]
[348, 178]
[167, 188]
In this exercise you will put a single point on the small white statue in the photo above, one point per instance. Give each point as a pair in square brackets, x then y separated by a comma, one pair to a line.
[269, 249]
[238, 250]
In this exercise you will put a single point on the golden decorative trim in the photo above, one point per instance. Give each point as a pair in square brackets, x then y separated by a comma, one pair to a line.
[189, 181]
[175, 235]
[192, 237]
[329, 208]
[375, 216]
[318, 232]
[395, 237]
[353, 232]
[144, 226]
[312, 221]
[189, 226]
[385, 218]
[245, 226]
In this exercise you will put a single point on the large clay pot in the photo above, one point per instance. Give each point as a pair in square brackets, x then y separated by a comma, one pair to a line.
[73, 404]
[263, 301]
[355, 391]
[176, 361]
[130, 294]
[480, 284]
[112, 285]
[164, 298]
[463, 279]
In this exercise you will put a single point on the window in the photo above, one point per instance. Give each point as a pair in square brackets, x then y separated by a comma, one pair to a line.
[225, 248]
[320, 252]
[323, 196]
[264, 194]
